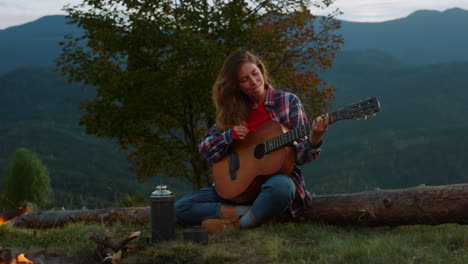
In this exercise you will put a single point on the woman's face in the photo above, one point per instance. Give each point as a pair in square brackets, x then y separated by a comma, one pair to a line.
[251, 81]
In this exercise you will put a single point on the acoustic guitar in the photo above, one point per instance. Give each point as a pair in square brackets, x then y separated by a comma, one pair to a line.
[239, 175]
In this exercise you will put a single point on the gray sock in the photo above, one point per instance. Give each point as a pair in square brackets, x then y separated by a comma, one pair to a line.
[246, 221]
[242, 209]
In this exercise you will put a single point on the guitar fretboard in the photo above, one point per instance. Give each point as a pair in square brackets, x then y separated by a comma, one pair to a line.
[294, 134]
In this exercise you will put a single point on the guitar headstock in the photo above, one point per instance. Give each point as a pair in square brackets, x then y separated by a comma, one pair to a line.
[362, 109]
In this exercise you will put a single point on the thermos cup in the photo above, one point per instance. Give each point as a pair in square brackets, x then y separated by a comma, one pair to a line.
[162, 214]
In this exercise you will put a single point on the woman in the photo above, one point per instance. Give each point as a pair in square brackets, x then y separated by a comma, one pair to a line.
[245, 100]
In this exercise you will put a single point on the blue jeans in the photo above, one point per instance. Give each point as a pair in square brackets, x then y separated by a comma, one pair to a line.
[276, 195]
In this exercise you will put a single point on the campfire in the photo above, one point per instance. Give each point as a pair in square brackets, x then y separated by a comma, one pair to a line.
[6, 257]
[108, 250]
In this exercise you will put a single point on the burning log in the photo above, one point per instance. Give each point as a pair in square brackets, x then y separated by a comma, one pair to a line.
[4, 218]
[430, 205]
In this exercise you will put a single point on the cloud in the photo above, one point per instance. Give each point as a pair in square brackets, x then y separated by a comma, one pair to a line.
[382, 10]
[40, 7]
[14, 12]
[8, 20]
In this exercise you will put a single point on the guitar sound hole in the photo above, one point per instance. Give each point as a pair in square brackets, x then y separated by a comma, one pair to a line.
[259, 151]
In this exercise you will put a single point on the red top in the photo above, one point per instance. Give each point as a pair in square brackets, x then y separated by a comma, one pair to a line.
[256, 118]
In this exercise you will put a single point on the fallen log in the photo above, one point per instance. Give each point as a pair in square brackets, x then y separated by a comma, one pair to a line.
[429, 205]
[48, 219]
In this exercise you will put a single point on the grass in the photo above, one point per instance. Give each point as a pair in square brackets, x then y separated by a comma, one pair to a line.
[280, 243]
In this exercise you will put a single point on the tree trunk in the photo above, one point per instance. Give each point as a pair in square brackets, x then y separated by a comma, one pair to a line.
[47, 219]
[429, 205]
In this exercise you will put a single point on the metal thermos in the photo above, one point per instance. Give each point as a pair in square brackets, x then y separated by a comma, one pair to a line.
[162, 214]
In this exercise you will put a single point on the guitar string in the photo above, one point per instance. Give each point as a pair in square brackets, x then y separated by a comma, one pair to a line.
[246, 151]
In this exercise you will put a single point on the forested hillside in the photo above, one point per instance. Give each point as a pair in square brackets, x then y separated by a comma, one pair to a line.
[419, 137]
[34, 43]
[40, 111]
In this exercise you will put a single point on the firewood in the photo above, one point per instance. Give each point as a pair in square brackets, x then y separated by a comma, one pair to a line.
[5, 256]
[109, 250]
[116, 245]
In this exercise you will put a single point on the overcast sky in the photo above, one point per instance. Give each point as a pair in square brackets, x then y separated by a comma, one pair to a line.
[16, 12]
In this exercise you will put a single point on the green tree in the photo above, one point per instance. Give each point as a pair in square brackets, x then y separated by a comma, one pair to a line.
[26, 179]
[153, 63]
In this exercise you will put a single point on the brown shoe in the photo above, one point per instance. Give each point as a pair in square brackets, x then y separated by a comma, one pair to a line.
[218, 225]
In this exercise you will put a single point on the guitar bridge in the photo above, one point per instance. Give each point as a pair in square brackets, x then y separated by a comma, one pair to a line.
[234, 164]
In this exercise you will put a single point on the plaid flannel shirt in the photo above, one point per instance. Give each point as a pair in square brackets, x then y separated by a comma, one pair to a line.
[285, 108]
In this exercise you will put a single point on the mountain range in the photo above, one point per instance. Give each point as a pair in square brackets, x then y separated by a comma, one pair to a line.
[421, 38]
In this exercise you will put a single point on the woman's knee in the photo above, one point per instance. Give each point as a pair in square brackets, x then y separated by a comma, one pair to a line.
[194, 206]
[282, 188]
[182, 210]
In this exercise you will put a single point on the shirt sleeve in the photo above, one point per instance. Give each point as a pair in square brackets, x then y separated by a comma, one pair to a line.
[214, 144]
[297, 117]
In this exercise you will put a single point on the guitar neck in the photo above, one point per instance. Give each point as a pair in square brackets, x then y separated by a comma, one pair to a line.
[355, 111]
[294, 134]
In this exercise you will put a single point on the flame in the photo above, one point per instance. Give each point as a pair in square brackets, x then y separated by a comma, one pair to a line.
[22, 258]
[12, 214]
[23, 209]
